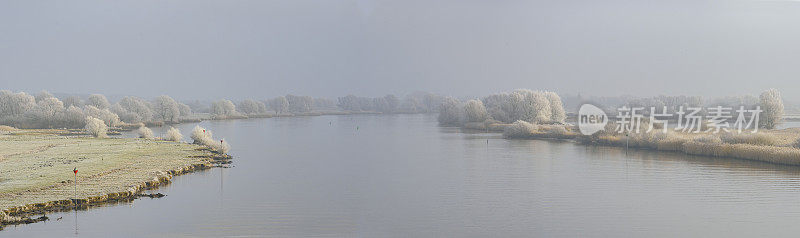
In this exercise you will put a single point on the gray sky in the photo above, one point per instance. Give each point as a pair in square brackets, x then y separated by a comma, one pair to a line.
[260, 49]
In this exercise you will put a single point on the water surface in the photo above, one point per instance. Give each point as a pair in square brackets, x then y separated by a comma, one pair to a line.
[405, 176]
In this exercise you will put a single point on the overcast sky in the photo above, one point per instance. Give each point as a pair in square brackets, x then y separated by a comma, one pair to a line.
[260, 49]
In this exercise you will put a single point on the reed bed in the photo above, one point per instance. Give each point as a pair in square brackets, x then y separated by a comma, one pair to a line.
[774, 146]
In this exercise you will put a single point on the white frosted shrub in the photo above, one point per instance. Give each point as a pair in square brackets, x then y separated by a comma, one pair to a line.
[201, 136]
[221, 147]
[96, 127]
[145, 133]
[204, 137]
[173, 135]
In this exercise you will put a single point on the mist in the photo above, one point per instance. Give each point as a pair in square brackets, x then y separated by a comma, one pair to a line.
[262, 49]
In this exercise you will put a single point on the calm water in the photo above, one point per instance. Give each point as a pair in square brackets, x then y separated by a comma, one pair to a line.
[404, 176]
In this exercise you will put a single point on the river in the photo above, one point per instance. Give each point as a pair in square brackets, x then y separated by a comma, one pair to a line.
[405, 176]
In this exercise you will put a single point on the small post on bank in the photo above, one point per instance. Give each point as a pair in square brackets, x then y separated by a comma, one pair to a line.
[75, 171]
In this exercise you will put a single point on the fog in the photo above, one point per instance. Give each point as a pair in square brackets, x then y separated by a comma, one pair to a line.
[262, 49]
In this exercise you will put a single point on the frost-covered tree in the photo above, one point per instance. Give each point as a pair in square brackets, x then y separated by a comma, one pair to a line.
[166, 109]
[73, 117]
[46, 114]
[474, 111]
[98, 101]
[15, 104]
[772, 106]
[50, 107]
[73, 101]
[109, 118]
[44, 94]
[133, 110]
[251, 107]
[96, 127]
[498, 107]
[558, 114]
[300, 103]
[392, 103]
[353, 103]
[523, 104]
[223, 108]
[535, 107]
[451, 112]
[184, 109]
[324, 104]
[422, 102]
[279, 105]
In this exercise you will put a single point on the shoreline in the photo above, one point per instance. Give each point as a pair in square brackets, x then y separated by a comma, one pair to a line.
[36, 184]
[776, 148]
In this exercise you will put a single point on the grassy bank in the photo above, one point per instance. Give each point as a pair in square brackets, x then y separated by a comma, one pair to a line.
[36, 169]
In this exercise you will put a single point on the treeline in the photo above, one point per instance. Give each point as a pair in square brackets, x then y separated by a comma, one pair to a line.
[293, 105]
[537, 107]
[44, 110]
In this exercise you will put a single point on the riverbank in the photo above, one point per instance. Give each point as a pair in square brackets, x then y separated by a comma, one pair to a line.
[36, 170]
[772, 146]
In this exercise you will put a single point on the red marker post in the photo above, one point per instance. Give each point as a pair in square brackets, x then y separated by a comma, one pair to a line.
[75, 171]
